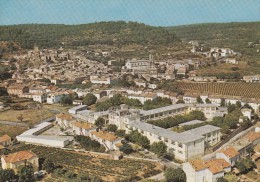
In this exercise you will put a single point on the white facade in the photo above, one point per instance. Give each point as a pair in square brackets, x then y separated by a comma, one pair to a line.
[76, 109]
[40, 98]
[137, 64]
[33, 136]
[107, 139]
[205, 171]
[100, 80]
[55, 97]
[152, 86]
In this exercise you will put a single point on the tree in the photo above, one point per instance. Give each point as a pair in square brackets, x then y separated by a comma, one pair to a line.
[141, 140]
[126, 148]
[7, 175]
[48, 165]
[26, 174]
[66, 100]
[222, 179]
[250, 150]
[89, 99]
[159, 148]
[199, 100]
[100, 122]
[175, 175]
[208, 101]
[180, 101]
[238, 104]
[120, 133]
[20, 118]
[230, 177]
[144, 142]
[245, 165]
[246, 105]
[222, 102]
[231, 107]
[112, 127]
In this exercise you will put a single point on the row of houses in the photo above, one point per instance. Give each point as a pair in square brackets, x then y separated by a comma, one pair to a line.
[198, 170]
[107, 139]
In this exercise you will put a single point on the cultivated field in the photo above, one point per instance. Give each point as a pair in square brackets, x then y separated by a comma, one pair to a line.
[29, 115]
[247, 90]
[12, 131]
[107, 169]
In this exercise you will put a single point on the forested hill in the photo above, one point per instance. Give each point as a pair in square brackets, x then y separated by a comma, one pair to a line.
[110, 33]
[234, 35]
[220, 32]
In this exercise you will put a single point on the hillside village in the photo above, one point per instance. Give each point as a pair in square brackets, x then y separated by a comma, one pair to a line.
[85, 119]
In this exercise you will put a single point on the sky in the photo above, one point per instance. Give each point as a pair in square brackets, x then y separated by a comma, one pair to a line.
[151, 12]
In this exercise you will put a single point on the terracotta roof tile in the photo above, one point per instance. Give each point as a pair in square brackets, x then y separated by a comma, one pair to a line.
[230, 152]
[105, 135]
[83, 125]
[252, 136]
[215, 165]
[19, 156]
[4, 138]
[64, 116]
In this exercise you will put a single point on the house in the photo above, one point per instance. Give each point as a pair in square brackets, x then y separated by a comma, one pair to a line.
[152, 86]
[40, 97]
[249, 140]
[15, 160]
[76, 109]
[230, 155]
[221, 52]
[135, 64]
[5, 140]
[82, 128]
[190, 98]
[99, 93]
[254, 78]
[142, 97]
[247, 113]
[100, 80]
[209, 110]
[231, 60]
[77, 102]
[64, 120]
[18, 89]
[205, 171]
[140, 83]
[55, 81]
[109, 140]
[55, 97]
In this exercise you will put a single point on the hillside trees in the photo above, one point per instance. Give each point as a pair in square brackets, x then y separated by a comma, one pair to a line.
[178, 119]
[175, 175]
[89, 99]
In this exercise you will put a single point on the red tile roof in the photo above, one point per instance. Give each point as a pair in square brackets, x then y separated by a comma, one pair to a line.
[19, 156]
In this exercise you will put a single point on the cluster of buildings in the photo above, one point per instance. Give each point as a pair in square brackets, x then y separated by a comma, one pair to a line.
[198, 170]
[79, 127]
[185, 145]
[160, 69]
